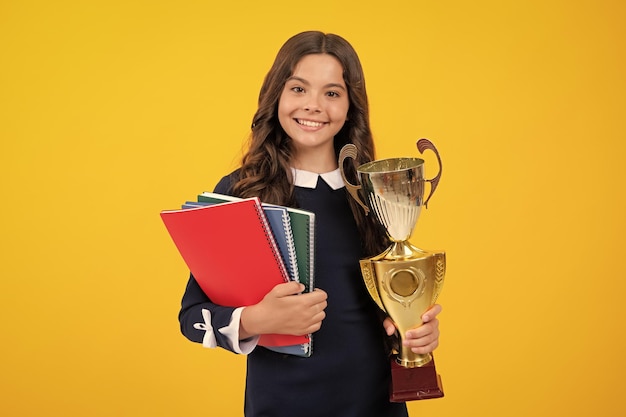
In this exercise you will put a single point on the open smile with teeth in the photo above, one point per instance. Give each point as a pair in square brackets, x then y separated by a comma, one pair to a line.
[309, 123]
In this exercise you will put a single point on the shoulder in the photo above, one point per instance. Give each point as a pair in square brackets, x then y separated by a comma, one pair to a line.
[225, 185]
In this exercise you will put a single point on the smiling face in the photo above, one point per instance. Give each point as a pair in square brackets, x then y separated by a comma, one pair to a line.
[312, 109]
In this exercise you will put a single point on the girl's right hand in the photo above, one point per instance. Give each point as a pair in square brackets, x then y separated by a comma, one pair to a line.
[285, 310]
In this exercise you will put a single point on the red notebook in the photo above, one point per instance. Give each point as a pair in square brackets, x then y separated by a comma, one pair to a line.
[230, 250]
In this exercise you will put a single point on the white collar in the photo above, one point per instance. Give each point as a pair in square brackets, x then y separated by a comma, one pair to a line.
[308, 179]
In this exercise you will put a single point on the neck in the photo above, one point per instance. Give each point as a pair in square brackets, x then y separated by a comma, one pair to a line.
[319, 162]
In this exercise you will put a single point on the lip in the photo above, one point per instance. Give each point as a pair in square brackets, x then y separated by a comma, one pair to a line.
[309, 123]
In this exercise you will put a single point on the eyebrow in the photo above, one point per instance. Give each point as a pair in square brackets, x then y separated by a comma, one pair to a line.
[305, 82]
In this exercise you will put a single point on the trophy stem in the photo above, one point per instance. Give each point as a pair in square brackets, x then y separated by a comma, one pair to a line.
[408, 359]
[402, 250]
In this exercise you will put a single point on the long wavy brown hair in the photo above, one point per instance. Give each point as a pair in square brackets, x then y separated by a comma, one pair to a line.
[266, 170]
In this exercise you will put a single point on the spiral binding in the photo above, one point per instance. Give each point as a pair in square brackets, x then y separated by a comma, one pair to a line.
[310, 268]
[270, 239]
[291, 248]
[310, 262]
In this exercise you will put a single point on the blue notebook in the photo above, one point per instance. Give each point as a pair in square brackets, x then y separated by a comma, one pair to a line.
[280, 223]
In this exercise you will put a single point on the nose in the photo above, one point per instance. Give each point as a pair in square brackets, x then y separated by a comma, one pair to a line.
[312, 104]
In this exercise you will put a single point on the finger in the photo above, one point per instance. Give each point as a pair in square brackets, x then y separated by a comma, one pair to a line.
[426, 349]
[313, 327]
[432, 327]
[431, 340]
[315, 323]
[288, 288]
[390, 328]
[317, 296]
[317, 308]
[431, 313]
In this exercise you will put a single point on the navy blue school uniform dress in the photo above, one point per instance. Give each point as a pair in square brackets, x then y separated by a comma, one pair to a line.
[348, 373]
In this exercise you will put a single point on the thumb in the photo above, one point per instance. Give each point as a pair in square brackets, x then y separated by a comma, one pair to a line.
[431, 313]
[390, 328]
[287, 288]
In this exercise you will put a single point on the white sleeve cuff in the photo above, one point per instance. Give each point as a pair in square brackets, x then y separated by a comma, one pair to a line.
[232, 333]
[209, 337]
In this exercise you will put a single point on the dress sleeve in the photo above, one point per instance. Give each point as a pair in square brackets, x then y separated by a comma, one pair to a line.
[203, 321]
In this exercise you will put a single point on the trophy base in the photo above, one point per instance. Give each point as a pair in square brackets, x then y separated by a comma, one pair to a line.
[409, 384]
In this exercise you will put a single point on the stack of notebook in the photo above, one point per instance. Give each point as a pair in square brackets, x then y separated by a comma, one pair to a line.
[239, 249]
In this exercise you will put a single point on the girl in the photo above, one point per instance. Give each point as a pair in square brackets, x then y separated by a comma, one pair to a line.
[313, 101]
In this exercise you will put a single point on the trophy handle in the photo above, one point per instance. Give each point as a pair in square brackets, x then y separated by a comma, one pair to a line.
[350, 151]
[422, 145]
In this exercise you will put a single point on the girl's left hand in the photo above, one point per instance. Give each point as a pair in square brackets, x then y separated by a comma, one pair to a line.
[423, 339]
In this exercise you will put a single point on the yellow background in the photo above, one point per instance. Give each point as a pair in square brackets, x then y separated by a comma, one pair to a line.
[111, 111]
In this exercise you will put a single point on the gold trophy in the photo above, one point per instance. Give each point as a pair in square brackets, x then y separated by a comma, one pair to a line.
[403, 280]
